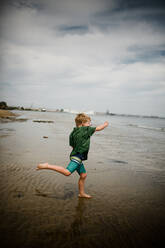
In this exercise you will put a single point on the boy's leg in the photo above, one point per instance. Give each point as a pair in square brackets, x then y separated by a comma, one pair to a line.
[57, 168]
[81, 184]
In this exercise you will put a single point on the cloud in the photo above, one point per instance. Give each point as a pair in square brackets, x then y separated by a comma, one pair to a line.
[107, 50]
[73, 29]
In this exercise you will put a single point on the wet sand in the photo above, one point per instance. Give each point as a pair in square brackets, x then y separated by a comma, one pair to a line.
[6, 113]
[42, 208]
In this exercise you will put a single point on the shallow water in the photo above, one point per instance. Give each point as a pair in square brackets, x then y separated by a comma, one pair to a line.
[126, 177]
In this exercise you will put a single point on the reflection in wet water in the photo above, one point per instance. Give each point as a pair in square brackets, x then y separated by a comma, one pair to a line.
[78, 218]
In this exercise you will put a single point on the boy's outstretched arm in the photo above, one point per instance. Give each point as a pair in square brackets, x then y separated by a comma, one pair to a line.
[101, 127]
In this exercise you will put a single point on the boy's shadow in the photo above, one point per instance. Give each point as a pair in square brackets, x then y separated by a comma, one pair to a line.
[67, 194]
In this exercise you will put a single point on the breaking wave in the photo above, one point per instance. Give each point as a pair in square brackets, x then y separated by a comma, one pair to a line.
[161, 129]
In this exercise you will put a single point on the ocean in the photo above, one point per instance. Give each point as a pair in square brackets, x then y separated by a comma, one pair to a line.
[126, 178]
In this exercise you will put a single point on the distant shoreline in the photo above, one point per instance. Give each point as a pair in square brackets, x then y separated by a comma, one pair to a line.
[8, 108]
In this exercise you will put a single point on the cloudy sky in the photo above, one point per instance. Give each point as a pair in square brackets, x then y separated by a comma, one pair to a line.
[84, 55]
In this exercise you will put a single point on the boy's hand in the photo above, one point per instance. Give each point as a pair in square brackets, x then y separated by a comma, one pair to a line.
[101, 127]
[106, 123]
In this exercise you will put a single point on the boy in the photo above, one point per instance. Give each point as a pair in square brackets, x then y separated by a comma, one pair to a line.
[79, 140]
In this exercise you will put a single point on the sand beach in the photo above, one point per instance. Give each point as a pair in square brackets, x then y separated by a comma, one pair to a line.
[126, 177]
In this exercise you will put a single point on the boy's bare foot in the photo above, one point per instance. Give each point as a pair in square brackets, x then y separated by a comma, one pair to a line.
[42, 166]
[84, 196]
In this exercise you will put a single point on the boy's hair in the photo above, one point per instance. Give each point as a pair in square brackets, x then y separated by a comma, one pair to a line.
[82, 118]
